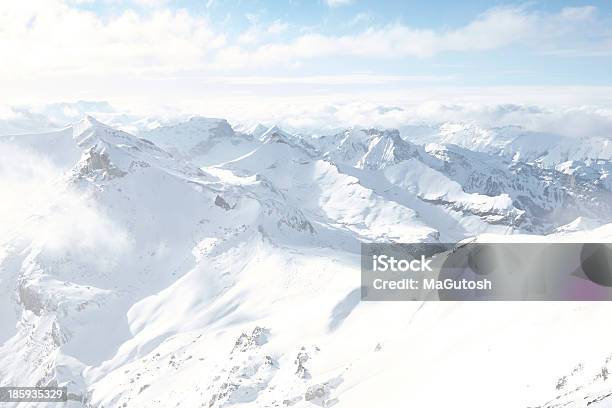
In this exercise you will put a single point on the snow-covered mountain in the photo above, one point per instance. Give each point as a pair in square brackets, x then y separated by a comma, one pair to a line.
[202, 141]
[515, 193]
[514, 142]
[196, 265]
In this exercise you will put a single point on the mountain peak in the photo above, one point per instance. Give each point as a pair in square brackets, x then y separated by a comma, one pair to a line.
[85, 128]
[275, 134]
[91, 119]
[202, 120]
[257, 130]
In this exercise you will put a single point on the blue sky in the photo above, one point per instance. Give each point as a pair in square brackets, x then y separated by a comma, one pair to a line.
[580, 57]
[183, 49]
[507, 65]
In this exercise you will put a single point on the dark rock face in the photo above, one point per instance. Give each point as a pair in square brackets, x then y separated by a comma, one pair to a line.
[220, 202]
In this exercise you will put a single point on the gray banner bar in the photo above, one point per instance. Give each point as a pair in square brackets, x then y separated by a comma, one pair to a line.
[33, 394]
[480, 271]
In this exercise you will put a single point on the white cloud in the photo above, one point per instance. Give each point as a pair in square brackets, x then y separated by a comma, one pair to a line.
[578, 13]
[41, 118]
[360, 18]
[277, 27]
[258, 33]
[49, 38]
[496, 28]
[36, 205]
[572, 111]
[565, 110]
[337, 3]
[151, 3]
[62, 40]
[329, 117]
[348, 79]
[55, 51]
[26, 180]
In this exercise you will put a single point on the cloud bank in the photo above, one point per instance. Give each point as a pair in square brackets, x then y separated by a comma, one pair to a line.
[322, 116]
[35, 205]
[63, 40]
